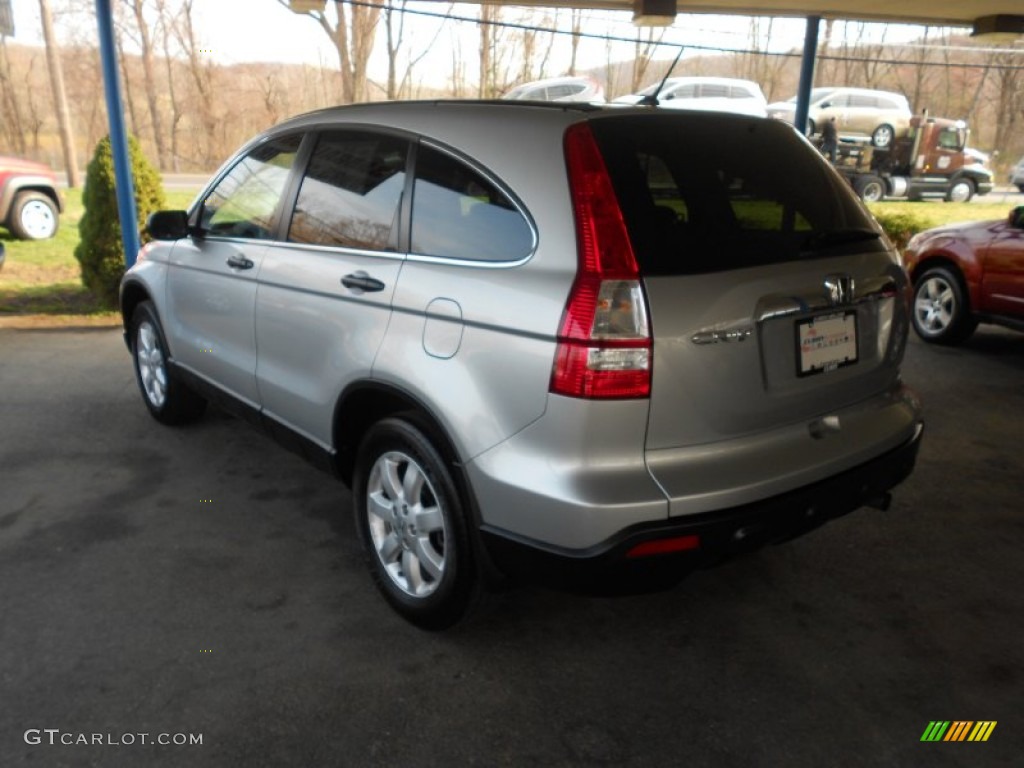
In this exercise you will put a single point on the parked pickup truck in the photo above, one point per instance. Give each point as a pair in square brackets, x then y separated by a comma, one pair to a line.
[931, 161]
[30, 205]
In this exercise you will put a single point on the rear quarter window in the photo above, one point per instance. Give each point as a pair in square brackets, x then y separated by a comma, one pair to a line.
[705, 193]
[458, 213]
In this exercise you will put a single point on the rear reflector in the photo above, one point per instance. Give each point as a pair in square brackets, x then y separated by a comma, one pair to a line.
[664, 546]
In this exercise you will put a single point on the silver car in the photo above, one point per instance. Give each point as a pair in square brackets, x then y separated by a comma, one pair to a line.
[715, 94]
[1017, 175]
[558, 89]
[596, 346]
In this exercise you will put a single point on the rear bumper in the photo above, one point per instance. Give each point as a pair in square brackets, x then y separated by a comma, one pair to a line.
[613, 565]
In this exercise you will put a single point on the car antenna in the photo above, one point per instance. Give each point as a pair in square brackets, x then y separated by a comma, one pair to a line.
[651, 99]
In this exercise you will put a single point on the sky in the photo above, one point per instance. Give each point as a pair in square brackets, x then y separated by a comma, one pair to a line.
[234, 31]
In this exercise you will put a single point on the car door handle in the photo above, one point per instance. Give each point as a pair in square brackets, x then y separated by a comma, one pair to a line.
[240, 262]
[360, 281]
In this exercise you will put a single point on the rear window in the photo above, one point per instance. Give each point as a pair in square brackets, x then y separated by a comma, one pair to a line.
[703, 193]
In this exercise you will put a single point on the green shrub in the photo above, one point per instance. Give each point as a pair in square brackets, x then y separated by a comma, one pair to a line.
[900, 226]
[100, 251]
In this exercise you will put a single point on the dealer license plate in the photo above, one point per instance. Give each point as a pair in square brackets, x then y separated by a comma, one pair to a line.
[826, 343]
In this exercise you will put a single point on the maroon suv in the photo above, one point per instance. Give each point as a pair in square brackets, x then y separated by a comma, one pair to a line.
[965, 274]
[30, 205]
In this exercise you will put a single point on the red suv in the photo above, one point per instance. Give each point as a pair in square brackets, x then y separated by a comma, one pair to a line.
[30, 205]
[965, 274]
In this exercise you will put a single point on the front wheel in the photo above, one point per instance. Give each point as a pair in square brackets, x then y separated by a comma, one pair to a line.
[168, 400]
[941, 312]
[960, 191]
[33, 216]
[413, 526]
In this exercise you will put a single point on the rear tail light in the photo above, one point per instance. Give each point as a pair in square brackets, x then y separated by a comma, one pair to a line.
[604, 343]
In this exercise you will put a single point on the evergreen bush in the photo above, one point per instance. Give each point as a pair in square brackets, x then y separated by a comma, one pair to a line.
[100, 251]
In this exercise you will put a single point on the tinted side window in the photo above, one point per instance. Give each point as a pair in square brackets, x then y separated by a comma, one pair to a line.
[350, 194]
[458, 213]
[244, 203]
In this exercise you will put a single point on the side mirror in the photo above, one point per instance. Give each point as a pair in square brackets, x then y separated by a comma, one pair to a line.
[1016, 217]
[825, 105]
[167, 225]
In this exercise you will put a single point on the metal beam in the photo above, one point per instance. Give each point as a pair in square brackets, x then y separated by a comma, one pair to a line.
[803, 92]
[123, 184]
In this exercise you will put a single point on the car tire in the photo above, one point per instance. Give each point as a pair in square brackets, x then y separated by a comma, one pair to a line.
[883, 136]
[33, 216]
[941, 312]
[1020, 187]
[168, 399]
[869, 188]
[960, 191]
[413, 526]
[812, 129]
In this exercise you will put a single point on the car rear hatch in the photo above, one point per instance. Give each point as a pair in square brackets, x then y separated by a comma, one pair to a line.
[774, 305]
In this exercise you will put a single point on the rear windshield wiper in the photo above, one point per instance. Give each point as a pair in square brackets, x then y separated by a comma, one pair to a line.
[839, 237]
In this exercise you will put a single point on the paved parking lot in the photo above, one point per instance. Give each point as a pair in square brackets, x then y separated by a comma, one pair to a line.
[206, 582]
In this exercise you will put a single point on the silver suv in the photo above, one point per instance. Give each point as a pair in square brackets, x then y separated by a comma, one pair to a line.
[589, 345]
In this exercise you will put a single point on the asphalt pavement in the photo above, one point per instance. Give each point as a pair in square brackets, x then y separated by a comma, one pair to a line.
[204, 584]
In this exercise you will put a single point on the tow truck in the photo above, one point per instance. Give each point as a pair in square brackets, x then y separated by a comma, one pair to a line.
[931, 161]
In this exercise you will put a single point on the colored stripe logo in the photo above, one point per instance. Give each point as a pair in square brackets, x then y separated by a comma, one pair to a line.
[958, 730]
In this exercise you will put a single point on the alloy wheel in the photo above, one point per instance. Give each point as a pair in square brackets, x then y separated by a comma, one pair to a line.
[935, 305]
[152, 368]
[406, 524]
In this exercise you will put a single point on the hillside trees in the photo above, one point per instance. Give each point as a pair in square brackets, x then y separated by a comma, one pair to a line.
[190, 108]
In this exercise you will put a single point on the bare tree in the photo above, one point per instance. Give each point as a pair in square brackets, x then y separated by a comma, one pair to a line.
[13, 128]
[488, 41]
[126, 82]
[144, 40]
[1010, 98]
[395, 33]
[352, 32]
[167, 20]
[643, 52]
[576, 17]
[59, 95]
[199, 69]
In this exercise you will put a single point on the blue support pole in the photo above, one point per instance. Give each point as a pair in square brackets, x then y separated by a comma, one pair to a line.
[803, 93]
[123, 184]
